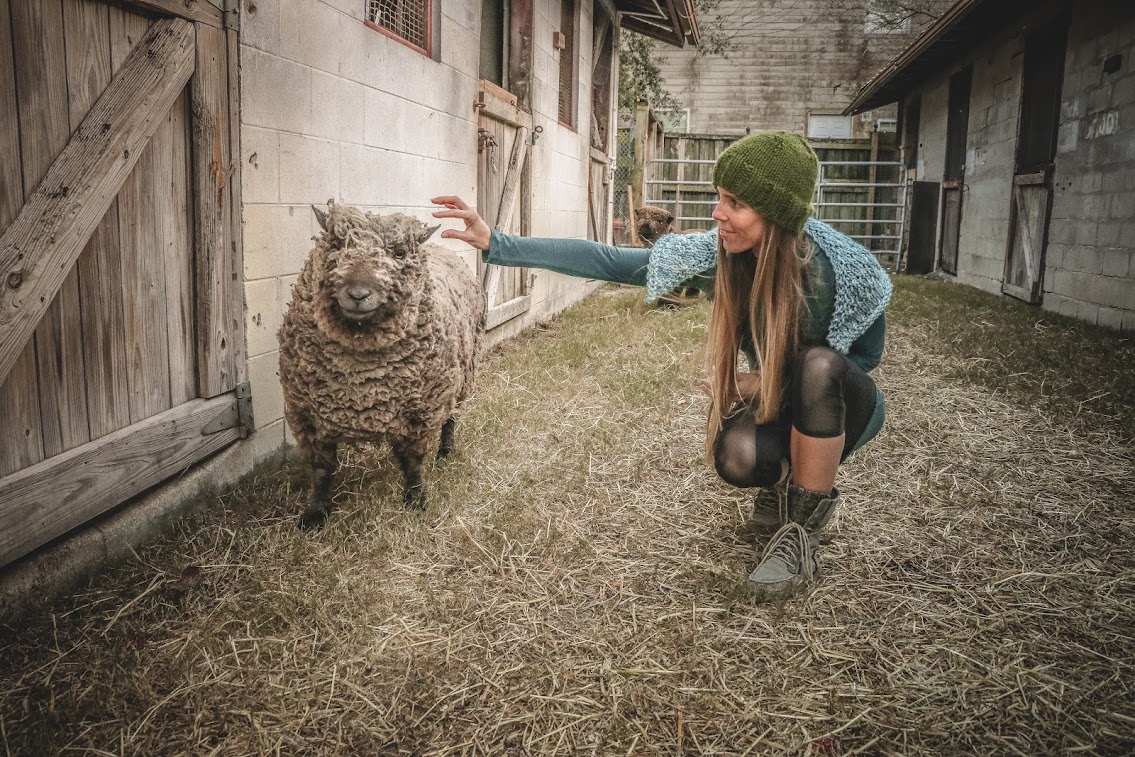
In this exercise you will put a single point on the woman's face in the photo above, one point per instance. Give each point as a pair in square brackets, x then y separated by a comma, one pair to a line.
[741, 228]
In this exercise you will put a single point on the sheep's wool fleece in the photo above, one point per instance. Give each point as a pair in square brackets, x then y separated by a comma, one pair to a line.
[862, 287]
[397, 379]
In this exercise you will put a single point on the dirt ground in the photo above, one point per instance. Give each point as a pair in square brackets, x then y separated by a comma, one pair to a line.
[577, 583]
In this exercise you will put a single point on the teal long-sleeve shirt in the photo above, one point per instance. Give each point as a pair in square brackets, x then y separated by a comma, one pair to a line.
[627, 265]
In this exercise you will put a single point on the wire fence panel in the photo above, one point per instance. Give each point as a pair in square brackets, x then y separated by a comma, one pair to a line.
[865, 200]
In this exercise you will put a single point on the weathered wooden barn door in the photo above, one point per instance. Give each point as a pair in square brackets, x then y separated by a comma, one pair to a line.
[504, 125]
[1031, 202]
[121, 324]
[953, 183]
[501, 179]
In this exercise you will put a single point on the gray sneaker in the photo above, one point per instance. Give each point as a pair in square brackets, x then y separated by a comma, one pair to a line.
[789, 564]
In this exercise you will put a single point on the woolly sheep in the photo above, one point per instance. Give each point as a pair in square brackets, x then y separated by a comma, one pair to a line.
[379, 344]
[652, 222]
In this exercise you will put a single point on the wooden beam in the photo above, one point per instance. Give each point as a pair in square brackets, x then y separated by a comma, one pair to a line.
[490, 104]
[201, 11]
[56, 495]
[220, 303]
[506, 311]
[38, 250]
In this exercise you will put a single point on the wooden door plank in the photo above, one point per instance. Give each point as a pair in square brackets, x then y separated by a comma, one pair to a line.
[174, 213]
[89, 72]
[41, 81]
[21, 435]
[218, 316]
[143, 271]
[55, 223]
[49, 499]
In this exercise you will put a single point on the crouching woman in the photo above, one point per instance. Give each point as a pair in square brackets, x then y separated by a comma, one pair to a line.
[805, 305]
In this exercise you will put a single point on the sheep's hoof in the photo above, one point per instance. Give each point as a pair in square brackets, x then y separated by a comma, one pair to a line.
[414, 499]
[313, 518]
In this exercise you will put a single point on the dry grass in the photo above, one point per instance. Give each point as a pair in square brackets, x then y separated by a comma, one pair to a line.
[575, 586]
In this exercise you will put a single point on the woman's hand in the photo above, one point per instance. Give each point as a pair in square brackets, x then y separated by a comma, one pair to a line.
[748, 386]
[476, 233]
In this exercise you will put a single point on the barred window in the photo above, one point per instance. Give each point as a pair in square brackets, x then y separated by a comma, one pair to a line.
[567, 63]
[405, 20]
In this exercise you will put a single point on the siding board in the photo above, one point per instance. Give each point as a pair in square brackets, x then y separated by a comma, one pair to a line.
[21, 437]
[100, 264]
[41, 84]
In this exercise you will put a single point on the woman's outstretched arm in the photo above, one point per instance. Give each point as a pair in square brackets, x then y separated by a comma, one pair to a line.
[573, 257]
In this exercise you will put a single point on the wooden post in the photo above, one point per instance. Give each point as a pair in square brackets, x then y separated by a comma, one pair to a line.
[630, 212]
[641, 135]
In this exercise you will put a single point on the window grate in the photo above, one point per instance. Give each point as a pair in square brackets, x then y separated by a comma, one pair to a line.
[567, 63]
[405, 19]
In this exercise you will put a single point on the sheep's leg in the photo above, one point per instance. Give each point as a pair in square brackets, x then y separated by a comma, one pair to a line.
[413, 494]
[446, 448]
[324, 463]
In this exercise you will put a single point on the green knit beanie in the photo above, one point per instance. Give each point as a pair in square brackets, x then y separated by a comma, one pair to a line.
[775, 172]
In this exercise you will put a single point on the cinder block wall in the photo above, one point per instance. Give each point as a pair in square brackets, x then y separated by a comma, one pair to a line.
[334, 110]
[1090, 270]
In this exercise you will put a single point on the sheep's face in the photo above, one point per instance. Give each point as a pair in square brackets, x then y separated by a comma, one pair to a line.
[652, 222]
[373, 267]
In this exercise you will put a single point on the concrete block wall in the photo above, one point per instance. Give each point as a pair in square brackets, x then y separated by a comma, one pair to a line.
[1090, 264]
[991, 150]
[331, 109]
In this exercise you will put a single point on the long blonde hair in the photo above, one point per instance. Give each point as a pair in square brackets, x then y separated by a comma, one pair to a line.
[763, 292]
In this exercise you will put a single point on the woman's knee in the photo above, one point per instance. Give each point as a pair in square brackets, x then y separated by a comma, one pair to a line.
[746, 455]
[819, 383]
[820, 366]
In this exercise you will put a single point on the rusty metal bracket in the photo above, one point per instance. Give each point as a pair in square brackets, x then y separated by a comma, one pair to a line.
[236, 415]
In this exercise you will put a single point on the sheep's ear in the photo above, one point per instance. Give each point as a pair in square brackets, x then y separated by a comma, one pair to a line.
[321, 216]
[423, 232]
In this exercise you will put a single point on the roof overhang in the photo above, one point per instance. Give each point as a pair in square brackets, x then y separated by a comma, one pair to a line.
[965, 26]
[671, 21]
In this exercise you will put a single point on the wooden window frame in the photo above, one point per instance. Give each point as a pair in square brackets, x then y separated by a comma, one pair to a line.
[427, 15]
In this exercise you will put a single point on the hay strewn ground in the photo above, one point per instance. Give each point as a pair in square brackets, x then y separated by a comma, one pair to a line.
[575, 586]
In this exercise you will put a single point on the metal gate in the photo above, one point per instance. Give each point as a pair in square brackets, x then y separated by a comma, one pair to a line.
[864, 199]
[867, 201]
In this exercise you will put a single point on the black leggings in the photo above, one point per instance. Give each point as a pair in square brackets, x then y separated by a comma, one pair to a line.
[828, 395]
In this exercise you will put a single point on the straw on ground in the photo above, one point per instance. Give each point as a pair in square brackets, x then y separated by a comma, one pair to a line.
[577, 583]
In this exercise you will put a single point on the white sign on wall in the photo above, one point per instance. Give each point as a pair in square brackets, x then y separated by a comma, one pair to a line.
[829, 126]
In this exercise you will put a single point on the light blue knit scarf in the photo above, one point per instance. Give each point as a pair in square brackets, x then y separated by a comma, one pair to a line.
[862, 287]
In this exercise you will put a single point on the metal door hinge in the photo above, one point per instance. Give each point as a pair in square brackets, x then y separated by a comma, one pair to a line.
[232, 14]
[236, 415]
